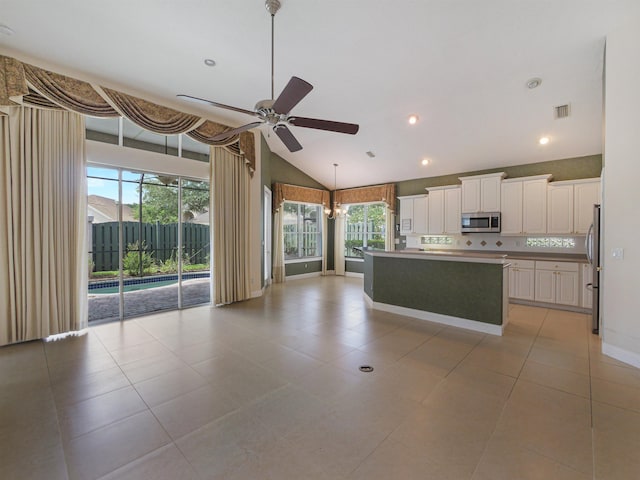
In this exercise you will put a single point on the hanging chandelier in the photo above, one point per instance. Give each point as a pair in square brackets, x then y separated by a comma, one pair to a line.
[337, 210]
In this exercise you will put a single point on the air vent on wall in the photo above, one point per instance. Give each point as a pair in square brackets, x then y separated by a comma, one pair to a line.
[562, 111]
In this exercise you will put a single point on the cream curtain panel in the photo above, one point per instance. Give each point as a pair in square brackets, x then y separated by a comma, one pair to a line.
[390, 225]
[325, 226]
[231, 228]
[43, 222]
[340, 224]
[278, 268]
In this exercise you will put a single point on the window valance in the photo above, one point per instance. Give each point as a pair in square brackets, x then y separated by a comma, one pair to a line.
[21, 83]
[378, 193]
[293, 193]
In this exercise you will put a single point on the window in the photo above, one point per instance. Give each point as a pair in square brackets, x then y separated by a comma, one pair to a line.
[365, 229]
[107, 130]
[302, 227]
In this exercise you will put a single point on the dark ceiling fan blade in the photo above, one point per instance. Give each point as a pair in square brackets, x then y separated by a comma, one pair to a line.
[287, 138]
[234, 131]
[340, 127]
[216, 104]
[295, 91]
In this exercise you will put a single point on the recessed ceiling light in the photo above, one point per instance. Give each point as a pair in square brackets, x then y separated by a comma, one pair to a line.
[425, 161]
[6, 30]
[370, 154]
[533, 83]
[209, 62]
[543, 140]
[413, 119]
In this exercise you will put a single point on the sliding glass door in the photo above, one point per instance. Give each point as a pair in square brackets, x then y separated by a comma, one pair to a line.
[150, 243]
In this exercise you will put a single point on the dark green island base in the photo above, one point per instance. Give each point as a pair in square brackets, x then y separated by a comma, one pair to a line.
[463, 290]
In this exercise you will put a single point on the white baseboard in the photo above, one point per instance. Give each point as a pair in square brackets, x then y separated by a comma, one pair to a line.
[621, 354]
[303, 275]
[354, 274]
[437, 317]
[257, 293]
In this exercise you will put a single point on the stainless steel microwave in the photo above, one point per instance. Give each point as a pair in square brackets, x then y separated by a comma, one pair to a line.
[480, 222]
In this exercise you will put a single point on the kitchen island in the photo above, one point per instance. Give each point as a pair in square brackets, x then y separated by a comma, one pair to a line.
[467, 290]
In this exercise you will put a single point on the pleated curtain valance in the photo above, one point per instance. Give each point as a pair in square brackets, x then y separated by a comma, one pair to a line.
[378, 193]
[25, 84]
[293, 193]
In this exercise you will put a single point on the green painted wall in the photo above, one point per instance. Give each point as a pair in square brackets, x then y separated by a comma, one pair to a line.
[565, 169]
[465, 290]
[354, 267]
[300, 268]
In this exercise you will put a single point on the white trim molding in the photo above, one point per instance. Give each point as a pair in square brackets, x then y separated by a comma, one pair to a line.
[621, 354]
[437, 317]
[303, 275]
[354, 274]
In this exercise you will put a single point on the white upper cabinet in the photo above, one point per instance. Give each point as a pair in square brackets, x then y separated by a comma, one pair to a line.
[524, 205]
[490, 193]
[511, 207]
[560, 208]
[534, 205]
[481, 193]
[470, 195]
[444, 210]
[452, 210]
[406, 216]
[570, 205]
[413, 214]
[436, 212]
[420, 213]
[586, 193]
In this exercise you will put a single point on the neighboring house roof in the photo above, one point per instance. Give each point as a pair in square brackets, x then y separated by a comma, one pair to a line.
[105, 209]
[202, 218]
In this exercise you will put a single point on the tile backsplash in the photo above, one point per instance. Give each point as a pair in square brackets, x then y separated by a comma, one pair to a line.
[489, 242]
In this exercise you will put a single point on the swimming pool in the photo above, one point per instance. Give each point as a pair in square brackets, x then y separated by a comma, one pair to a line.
[133, 284]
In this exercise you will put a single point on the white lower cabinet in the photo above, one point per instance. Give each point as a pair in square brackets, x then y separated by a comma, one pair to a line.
[521, 279]
[557, 282]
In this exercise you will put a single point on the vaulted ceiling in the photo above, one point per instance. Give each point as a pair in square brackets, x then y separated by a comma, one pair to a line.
[460, 65]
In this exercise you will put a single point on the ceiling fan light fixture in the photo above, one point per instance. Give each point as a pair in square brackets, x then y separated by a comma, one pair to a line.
[275, 112]
[337, 210]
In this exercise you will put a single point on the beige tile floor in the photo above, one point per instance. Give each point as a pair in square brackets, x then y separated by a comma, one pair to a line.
[270, 388]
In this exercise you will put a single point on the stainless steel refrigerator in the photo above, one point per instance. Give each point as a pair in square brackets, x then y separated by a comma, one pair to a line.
[592, 244]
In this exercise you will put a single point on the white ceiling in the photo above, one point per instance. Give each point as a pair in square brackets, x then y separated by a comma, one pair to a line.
[461, 65]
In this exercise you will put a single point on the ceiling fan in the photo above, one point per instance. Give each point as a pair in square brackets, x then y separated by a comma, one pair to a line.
[276, 113]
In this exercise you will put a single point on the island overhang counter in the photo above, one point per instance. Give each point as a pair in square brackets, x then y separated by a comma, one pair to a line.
[467, 290]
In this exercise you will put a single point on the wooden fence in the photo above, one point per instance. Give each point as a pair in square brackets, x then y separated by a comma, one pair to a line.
[159, 240]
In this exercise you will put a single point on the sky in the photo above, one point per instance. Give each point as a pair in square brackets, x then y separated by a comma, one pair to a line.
[107, 186]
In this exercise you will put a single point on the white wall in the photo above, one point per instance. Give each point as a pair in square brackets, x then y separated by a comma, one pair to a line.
[621, 200]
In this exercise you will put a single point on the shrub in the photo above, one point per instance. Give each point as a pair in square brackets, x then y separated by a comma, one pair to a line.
[131, 260]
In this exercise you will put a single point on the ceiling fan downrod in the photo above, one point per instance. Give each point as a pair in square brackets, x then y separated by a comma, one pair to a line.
[272, 7]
